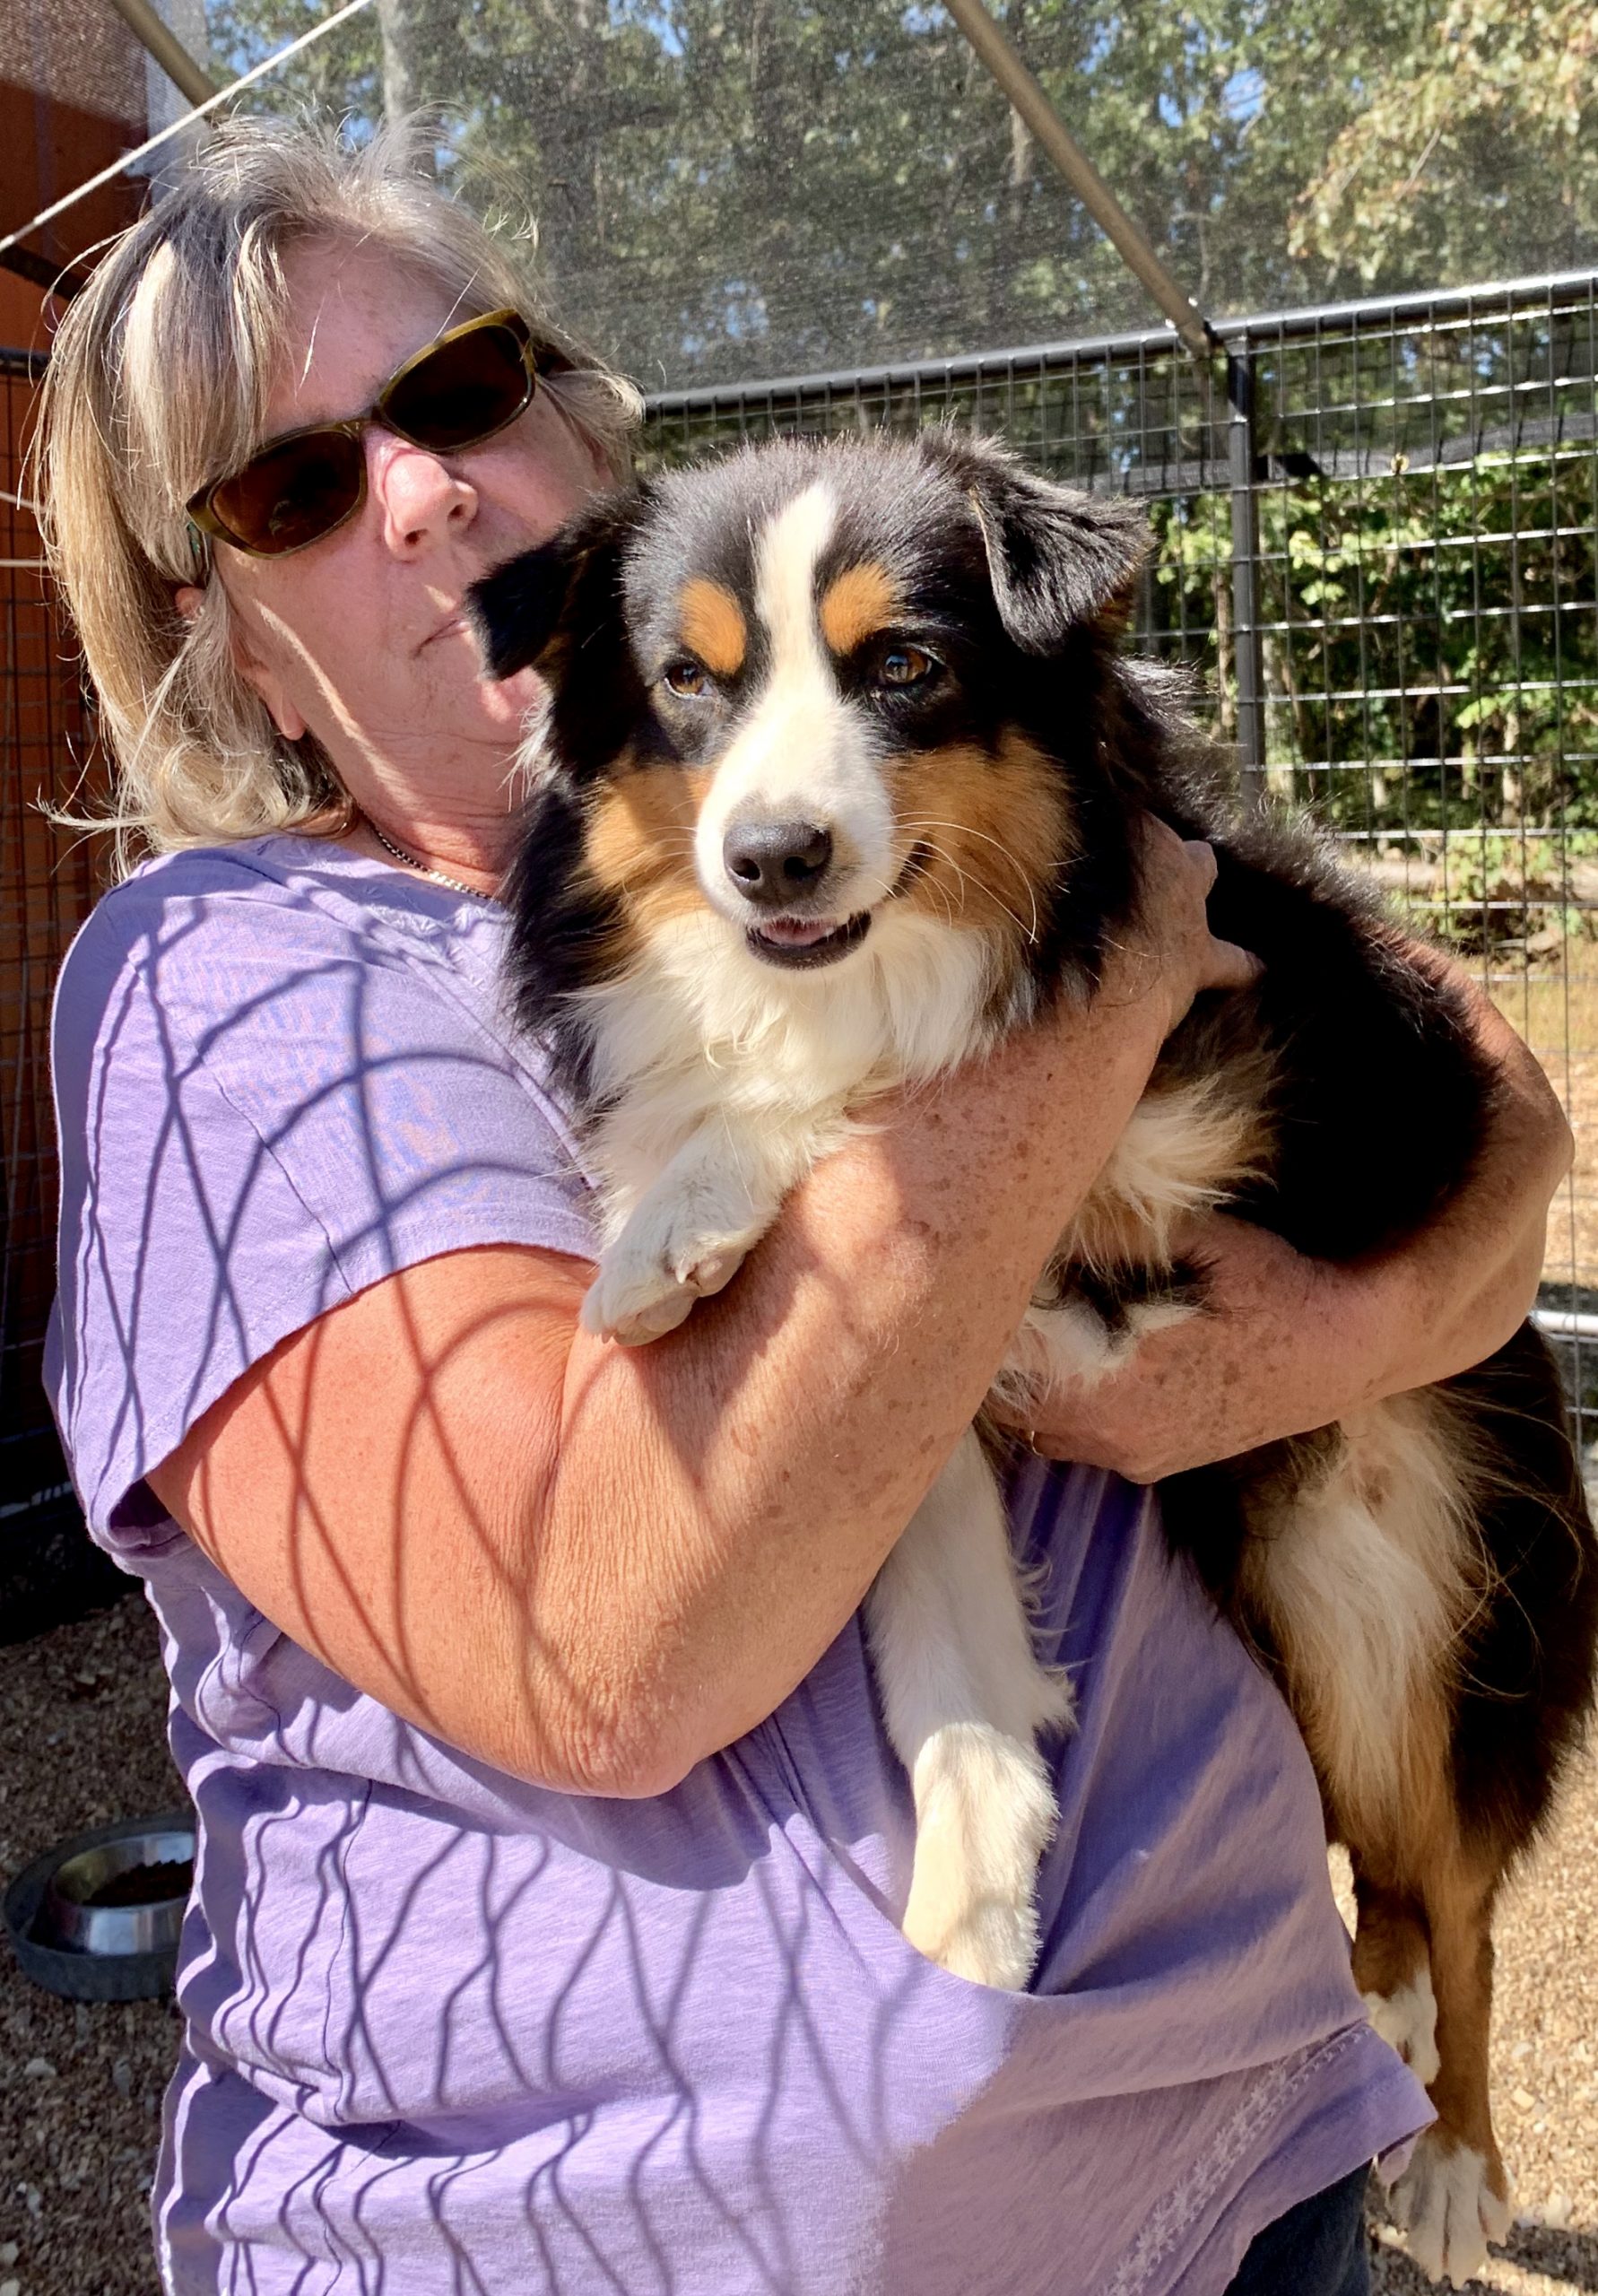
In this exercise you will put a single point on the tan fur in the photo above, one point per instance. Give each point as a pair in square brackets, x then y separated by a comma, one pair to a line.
[713, 626]
[1455, 2195]
[861, 601]
[1390, 1949]
[639, 843]
[1459, 1892]
[992, 830]
[1186, 1148]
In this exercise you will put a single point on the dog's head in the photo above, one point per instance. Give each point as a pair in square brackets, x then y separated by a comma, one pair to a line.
[816, 686]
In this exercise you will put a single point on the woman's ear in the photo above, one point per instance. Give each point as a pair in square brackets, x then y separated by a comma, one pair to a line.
[188, 600]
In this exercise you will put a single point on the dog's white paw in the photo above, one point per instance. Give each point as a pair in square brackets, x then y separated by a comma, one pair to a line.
[1449, 2207]
[648, 1284]
[988, 1941]
[985, 1813]
[1407, 2020]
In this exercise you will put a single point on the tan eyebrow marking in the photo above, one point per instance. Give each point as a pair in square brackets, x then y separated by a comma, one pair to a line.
[712, 623]
[863, 600]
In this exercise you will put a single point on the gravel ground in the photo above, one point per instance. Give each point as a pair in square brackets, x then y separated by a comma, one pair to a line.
[82, 1741]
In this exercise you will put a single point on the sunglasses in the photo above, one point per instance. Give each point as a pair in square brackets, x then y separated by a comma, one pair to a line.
[452, 393]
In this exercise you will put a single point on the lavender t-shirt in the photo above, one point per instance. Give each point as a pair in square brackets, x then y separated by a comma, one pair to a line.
[447, 2030]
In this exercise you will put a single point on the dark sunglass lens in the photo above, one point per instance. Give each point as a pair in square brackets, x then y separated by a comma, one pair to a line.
[462, 391]
[292, 493]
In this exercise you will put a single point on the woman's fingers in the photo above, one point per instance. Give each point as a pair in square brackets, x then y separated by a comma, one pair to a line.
[1179, 875]
[1201, 854]
[1229, 966]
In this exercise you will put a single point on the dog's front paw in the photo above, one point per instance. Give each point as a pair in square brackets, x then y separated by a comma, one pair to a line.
[649, 1283]
[987, 1941]
[984, 1812]
[1451, 2202]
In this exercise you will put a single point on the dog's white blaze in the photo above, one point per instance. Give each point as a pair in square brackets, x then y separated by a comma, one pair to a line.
[803, 754]
[1363, 1581]
[785, 576]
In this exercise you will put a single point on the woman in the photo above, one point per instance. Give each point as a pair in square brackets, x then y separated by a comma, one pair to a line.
[544, 1926]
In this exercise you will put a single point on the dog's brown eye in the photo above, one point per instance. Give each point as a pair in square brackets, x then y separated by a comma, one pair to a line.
[687, 679]
[904, 665]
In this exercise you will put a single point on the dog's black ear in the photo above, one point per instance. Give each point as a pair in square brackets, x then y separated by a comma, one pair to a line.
[516, 611]
[1057, 558]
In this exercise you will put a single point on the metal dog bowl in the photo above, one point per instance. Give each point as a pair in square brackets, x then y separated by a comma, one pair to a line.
[98, 1917]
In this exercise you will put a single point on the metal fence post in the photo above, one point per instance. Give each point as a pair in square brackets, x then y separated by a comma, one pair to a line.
[1248, 654]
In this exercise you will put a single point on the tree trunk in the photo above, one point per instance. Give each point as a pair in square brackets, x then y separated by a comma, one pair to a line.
[402, 25]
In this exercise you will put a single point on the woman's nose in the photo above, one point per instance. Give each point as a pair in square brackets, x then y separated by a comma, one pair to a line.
[420, 499]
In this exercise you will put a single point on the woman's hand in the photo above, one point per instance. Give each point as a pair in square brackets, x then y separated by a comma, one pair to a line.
[1288, 1344]
[1172, 956]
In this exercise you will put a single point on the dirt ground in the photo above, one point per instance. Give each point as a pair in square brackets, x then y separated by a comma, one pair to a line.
[82, 1740]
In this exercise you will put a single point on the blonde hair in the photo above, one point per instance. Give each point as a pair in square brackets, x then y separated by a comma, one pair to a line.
[158, 381]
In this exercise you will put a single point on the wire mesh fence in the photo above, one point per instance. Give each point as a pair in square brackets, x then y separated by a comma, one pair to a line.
[1386, 588]
[47, 883]
[1384, 578]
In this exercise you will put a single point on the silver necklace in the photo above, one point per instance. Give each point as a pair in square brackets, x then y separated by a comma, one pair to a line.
[423, 868]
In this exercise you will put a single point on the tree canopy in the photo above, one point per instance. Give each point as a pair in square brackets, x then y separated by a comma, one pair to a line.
[728, 187]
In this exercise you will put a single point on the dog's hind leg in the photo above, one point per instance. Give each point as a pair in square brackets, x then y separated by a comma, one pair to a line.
[965, 1698]
[1453, 2197]
[1363, 1568]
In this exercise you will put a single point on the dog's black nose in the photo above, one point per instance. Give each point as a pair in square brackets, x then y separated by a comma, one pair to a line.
[772, 862]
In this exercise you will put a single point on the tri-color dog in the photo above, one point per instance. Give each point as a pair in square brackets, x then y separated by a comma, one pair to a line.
[841, 781]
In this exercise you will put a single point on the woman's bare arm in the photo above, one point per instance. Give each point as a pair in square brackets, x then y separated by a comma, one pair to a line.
[593, 1565]
[1291, 1344]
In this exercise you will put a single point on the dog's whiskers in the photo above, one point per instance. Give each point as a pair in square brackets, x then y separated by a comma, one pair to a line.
[962, 829]
[1028, 932]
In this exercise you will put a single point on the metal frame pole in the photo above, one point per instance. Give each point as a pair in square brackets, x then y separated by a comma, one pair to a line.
[997, 51]
[154, 33]
[1249, 646]
[201, 111]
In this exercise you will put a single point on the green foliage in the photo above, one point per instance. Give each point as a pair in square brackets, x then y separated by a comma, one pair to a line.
[1434, 630]
[1459, 103]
